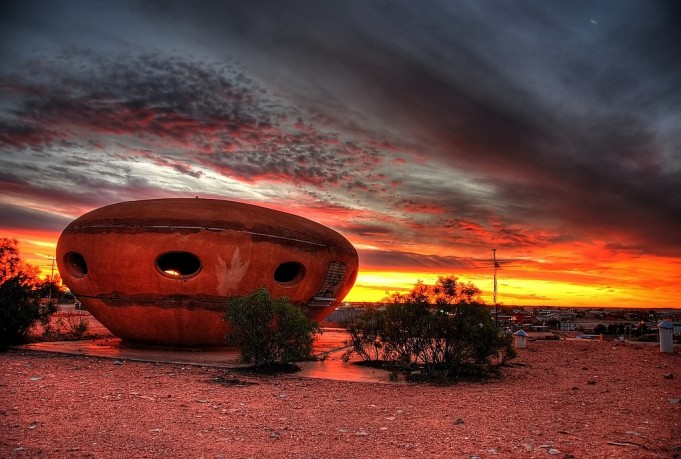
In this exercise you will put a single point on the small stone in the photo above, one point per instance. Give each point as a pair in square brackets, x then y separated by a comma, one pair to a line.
[458, 421]
[553, 452]
[669, 376]
[274, 435]
[674, 401]
[36, 378]
[361, 433]
[118, 362]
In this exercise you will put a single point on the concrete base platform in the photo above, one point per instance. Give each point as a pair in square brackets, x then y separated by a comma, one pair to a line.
[329, 347]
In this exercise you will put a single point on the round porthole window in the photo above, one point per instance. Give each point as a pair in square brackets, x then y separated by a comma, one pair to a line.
[178, 264]
[289, 272]
[75, 264]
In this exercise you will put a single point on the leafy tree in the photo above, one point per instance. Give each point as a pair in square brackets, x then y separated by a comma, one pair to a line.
[269, 331]
[437, 332]
[553, 323]
[20, 309]
[10, 261]
[446, 290]
[600, 329]
[20, 306]
[51, 288]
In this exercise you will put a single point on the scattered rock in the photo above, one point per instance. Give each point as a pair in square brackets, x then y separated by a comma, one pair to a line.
[669, 376]
[553, 452]
[140, 388]
[118, 362]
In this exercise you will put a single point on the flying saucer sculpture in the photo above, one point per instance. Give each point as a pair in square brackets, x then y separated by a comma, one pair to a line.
[160, 271]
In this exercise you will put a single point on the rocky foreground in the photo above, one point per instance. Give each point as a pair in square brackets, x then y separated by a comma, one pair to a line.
[577, 399]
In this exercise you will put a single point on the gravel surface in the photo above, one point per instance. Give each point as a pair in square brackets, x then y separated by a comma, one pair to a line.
[560, 399]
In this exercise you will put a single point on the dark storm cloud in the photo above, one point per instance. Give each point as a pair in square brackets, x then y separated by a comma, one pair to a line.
[147, 95]
[391, 260]
[20, 218]
[205, 111]
[570, 111]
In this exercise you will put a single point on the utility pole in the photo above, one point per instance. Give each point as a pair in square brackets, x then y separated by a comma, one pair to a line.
[496, 267]
[49, 291]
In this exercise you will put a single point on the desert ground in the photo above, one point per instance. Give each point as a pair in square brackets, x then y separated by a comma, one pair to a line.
[564, 399]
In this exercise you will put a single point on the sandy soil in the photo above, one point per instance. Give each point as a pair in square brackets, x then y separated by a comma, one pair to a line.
[562, 399]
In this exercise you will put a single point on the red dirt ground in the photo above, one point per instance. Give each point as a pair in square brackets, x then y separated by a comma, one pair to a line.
[562, 399]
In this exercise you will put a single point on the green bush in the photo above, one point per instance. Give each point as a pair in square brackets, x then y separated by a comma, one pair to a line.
[269, 331]
[20, 309]
[443, 344]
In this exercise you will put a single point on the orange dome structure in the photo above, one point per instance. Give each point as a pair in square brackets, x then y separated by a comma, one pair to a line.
[160, 271]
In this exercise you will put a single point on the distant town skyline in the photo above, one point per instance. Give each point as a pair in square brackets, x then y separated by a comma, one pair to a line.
[427, 134]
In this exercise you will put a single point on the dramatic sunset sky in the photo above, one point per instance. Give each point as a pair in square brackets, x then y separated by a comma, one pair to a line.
[427, 133]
